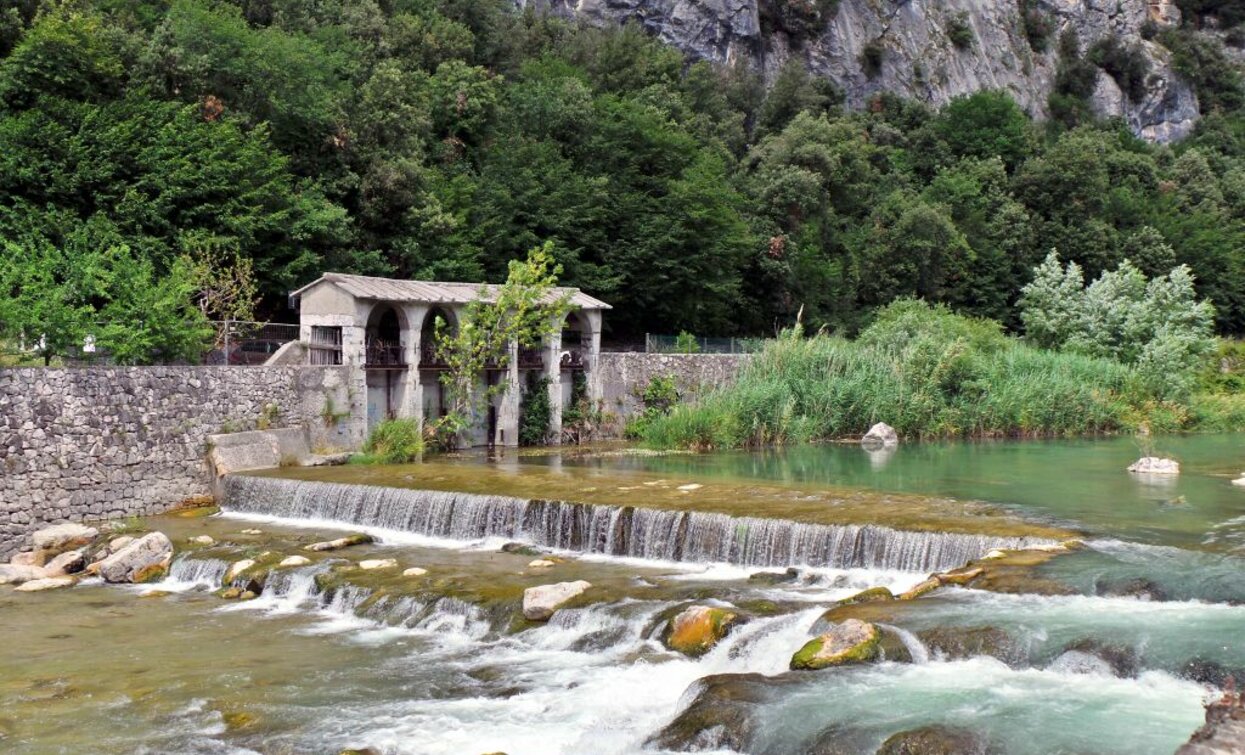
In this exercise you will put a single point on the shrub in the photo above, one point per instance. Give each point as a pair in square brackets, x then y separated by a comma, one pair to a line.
[871, 57]
[394, 441]
[1036, 26]
[657, 399]
[686, 343]
[1126, 63]
[959, 32]
[535, 413]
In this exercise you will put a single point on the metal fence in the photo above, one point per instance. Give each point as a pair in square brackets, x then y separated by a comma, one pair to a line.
[689, 344]
[242, 343]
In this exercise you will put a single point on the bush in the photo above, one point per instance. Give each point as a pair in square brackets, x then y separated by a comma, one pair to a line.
[959, 32]
[535, 413]
[657, 399]
[928, 373]
[1036, 26]
[1126, 63]
[394, 441]
[871, 57]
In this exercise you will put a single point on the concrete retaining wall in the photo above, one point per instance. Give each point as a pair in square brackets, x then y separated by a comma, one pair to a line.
[98, 443]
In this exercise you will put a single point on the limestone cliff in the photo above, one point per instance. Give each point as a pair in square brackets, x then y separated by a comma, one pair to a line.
[921, 48]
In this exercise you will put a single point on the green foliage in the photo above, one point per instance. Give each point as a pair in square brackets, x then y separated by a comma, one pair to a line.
[1202, 60]
[871, 57]
[960, 32]
[1036, 25]
[535, 413]
[1157, 326]
[394, 441]
[686, 343]
[1126, 63]
[926, 372]
[656, 401]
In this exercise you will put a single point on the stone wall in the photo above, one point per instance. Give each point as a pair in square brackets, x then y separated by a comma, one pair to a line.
[87, 444]
[624, 375]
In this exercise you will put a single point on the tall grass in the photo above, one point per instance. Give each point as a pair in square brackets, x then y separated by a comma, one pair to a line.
[394, 441]
[929, 374]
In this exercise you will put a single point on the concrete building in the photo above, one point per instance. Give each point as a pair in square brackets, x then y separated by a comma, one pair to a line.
[387, 328]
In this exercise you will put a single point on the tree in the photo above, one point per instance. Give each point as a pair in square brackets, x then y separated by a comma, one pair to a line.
[518, 313]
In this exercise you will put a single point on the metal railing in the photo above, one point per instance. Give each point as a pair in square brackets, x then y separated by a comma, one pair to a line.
[688, 344]
[242, 343]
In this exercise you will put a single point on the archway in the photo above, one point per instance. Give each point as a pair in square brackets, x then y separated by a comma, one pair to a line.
[385, 362]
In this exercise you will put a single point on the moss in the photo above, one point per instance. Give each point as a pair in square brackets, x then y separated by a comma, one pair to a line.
[197, 511]
[813, 656]
[696, 630]
[923, 588]
[872, 595]
[153, 573]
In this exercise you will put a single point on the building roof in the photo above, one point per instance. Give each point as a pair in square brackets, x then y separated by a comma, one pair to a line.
[433, 292]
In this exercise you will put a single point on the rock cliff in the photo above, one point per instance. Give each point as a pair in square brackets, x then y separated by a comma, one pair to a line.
[931, 50]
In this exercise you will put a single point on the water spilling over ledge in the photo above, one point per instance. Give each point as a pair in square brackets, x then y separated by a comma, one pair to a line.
[628, 531]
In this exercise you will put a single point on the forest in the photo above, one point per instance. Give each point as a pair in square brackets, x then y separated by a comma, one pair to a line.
[153, 153]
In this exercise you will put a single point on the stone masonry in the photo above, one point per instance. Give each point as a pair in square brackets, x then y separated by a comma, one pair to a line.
[624, 375]
[100, 443]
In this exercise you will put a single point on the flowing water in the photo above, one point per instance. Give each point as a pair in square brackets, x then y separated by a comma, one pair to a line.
[1112, 648]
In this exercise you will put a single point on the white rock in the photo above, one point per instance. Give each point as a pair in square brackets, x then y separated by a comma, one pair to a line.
[47, 583]
[69, 562]
[29, 558]
[540, 563]
[1239, 481]
[15, 574]
[880, 435]
[252, 532]
[1155, 465]
[238, 567]
[203, 540]
[540, 602]
[996, 553]
[414, 571]
[294, 561]
[152, 549]
[690, 487]
[61, 535]
[117, 543]
[379, 563]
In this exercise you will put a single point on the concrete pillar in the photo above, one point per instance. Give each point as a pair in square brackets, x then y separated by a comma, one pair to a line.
[553, 372]
[508, 414]
[595, 391]
[412, 389]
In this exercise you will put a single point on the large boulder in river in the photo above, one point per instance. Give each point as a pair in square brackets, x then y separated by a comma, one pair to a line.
[69, 562]
[540, 602]
[1224, 730]
[723, 714]
[852, 641]
[144, 560]
[935, 740]
[880, 435]
[1155, 465]
[47, 583]
[63, 537]
[697, 629]
[15, 574]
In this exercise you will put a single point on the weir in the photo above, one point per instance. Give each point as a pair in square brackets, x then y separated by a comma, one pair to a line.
[625, 531]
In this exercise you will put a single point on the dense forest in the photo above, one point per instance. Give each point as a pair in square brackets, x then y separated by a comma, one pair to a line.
[443, 138]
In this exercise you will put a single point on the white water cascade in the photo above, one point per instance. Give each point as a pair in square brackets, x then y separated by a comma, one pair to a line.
[627, 531]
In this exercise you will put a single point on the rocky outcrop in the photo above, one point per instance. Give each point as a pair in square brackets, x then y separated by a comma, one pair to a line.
[935, 740]
[697, 629]
[921, 49]
[16, 574]
[62, 537]
[852, 641]
[144, 560]
[1155, 465]
[46, 583]
[539, 603]
[1224, 730]
[722, 714]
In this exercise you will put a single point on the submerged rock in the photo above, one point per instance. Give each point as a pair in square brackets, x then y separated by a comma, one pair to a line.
[956, 643]
[1155, 465]
[1079, 662]
[1124, 661]
[521, 549]
[47, 583]
[63, 537]
[540, 563]
[935, 740]
[294, 561]
[1135, 587]
[775, 577]
[370, 564]
[880, 435]
[697, 629]
[143, 560]
[414, 571]
[721, 716]
[341, 542]
[237, 567]
[203, 540]
[15, 574]
[852, 641]
[540, 602]
[872, 595]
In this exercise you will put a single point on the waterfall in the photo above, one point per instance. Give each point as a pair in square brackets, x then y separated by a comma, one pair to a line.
[629, 531]
[196, 573]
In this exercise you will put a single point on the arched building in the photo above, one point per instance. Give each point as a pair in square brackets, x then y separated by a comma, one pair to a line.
[387, 328]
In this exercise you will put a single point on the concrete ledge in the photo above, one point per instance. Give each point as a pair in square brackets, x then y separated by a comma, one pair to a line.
[257, 449]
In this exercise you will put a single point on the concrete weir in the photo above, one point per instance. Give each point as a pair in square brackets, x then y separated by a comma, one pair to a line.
[629, 531]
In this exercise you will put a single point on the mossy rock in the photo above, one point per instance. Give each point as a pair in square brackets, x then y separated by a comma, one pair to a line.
[955, 643]
[935, 740]
[850, 642]
[872, 595]
[697, 629]
[237, 720]
[960, 576]
[522, 549]
[196, 512]
[230, 593]
[775, 577]
[924, 588]
[152, 573]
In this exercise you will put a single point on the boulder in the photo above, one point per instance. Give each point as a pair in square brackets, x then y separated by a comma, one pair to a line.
[880, 435]
[47, 583]
[540, 602]
[935, 740]
[1155, 465]
[955, 643]
[414, 571]
[339, 543]
[521, 549]
[921, 588]
[1224, 730]
[63, 537]
[872, 595]
[117, 543]
[29, 558]
[69, 562]
[852, 641]
[15, 574]
[697, 629]
[724, 714]
[143, 560]
[775, 577]
[237, 567]
[294, 561]
[379, 563]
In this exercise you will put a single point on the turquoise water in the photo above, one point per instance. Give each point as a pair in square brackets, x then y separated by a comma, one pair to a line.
[1076, 483]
